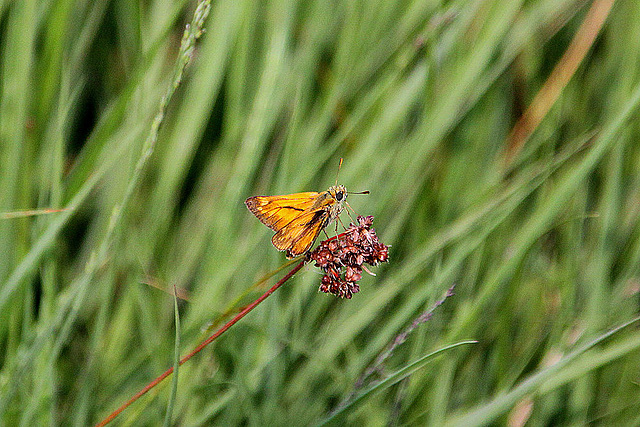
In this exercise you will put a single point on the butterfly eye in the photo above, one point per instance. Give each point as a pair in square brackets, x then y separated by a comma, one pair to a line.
[339, 195]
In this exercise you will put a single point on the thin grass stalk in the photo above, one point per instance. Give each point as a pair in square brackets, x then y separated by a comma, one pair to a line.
[202, 345]
[559, 78]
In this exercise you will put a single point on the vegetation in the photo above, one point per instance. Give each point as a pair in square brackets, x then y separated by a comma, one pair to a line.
[498, 141]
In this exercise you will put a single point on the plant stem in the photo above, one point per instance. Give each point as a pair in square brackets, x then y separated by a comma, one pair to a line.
[202, 345]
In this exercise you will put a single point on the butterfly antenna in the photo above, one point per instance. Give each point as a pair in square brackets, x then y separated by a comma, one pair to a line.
[339, 167]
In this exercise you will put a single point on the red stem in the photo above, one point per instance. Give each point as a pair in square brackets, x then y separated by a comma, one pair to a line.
[206, 342]
[337, 236]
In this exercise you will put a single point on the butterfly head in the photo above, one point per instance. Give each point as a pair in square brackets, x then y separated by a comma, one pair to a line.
[338, 195]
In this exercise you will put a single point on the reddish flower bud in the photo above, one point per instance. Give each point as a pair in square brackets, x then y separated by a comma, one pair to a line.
[342, 257]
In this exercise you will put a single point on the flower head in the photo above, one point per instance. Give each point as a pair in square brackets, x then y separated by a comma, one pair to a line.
[342, 258]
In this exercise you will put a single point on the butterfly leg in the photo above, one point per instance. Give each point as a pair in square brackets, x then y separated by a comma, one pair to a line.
[341, 223]
[354, 212]
[350, 217]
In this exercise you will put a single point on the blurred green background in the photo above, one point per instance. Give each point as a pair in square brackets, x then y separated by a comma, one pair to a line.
[532, 213]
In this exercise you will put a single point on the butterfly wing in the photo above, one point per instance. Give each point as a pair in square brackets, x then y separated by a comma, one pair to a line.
[297, 236]
[277, 211]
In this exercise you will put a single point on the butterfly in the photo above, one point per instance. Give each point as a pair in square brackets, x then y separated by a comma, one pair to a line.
[298, 218]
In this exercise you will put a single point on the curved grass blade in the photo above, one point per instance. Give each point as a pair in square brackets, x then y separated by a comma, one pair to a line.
[392, 379]
[488, 412]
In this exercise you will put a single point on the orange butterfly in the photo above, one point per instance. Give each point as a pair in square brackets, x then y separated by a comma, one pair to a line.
[298, 218]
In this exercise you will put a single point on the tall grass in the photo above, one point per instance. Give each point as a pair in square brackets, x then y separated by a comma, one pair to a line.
[539, 230]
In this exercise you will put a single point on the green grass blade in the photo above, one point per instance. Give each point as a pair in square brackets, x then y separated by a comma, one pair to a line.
[176, 365]
[393, 378]
[487, 413]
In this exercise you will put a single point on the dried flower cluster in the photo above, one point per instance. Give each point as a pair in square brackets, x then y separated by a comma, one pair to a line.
[343, 258]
